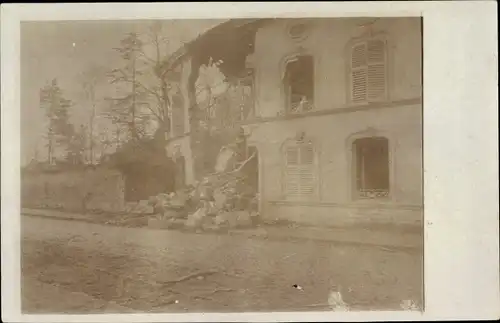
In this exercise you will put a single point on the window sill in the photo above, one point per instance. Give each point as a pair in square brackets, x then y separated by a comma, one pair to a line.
[371, 201]
[367, 103]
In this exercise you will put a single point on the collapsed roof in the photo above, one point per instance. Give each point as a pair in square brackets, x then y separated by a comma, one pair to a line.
[230, 42]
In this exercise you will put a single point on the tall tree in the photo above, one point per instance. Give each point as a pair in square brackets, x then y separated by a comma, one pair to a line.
[59, 131]
[149, 90]
[127, 77]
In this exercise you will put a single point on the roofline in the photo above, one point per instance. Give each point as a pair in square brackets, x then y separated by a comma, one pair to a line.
[173, 60]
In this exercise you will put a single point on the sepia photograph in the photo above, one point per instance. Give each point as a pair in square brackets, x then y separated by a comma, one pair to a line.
[208, 166]
[255, 163]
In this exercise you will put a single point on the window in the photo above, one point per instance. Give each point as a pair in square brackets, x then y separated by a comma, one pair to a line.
[368, 72]
[241, 94]
[371, 167]
[246, 85]
[300, 177]
[299, 84]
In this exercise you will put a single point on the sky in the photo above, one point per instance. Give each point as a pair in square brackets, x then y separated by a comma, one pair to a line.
[64, 50]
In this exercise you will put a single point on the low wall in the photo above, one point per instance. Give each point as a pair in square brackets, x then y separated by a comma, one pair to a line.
[75, 190]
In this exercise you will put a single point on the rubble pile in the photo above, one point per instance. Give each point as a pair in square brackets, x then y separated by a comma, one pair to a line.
[220, 201]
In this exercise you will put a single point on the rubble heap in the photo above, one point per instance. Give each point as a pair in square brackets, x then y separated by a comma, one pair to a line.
[221, 200]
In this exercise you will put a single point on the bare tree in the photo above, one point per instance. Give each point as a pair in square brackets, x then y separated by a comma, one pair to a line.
[91, 80]
[125, 76]
[144, 55]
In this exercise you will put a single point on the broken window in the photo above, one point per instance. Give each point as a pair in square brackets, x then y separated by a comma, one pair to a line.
[368, 72]
[236, 103]
[245, 94]
[372, 167]
[299, 84]
[300, 171]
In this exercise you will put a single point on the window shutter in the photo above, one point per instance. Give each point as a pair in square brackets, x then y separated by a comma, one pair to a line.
[376, 70]
[358, 56]
[358, 73]
[307, 179]
[292, 156]
[368, 71]
[292, 171]
[300, 168]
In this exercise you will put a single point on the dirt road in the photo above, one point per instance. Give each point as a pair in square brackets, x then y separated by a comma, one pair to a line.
[136, 269]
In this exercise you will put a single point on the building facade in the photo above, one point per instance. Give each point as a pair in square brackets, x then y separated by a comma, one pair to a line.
[335, 115]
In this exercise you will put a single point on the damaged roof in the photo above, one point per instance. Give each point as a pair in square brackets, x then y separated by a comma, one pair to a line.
[224, 28]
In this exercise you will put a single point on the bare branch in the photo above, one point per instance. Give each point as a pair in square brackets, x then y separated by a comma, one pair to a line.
[154, 112]
[143, 55]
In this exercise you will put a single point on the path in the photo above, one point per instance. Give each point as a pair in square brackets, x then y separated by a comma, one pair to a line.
[138, 268]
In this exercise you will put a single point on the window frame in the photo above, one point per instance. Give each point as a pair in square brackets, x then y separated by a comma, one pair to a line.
[356, 190]
[249, 77]
[285, 86]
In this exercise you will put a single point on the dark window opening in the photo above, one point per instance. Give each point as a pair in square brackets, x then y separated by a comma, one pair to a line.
[299, 84]
[372, 167]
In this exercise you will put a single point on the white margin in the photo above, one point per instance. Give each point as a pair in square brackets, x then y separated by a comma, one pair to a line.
[460, 149]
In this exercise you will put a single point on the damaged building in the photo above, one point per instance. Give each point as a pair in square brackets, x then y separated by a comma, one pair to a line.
[330, 110]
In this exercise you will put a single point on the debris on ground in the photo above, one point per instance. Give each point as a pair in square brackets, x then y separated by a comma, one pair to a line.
[220, 200]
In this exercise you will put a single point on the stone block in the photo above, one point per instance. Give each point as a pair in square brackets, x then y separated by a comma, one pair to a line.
[220, 198]
[234, 219]
[243, 219]
[195, 220]
[170, 214]
[158, 223]
[221, 219]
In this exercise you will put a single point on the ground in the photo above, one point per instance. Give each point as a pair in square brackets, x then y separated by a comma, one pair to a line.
[77, 267]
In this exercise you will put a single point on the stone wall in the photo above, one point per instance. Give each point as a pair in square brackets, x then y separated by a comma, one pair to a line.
[76, 190]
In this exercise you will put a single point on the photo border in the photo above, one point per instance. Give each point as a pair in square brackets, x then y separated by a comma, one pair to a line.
[460, 103]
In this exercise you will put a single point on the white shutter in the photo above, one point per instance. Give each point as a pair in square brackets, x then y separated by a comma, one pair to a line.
[358, 73]
[292, 172]
[377, 78]
[368, 71]
[307, 178]
[300, 171]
